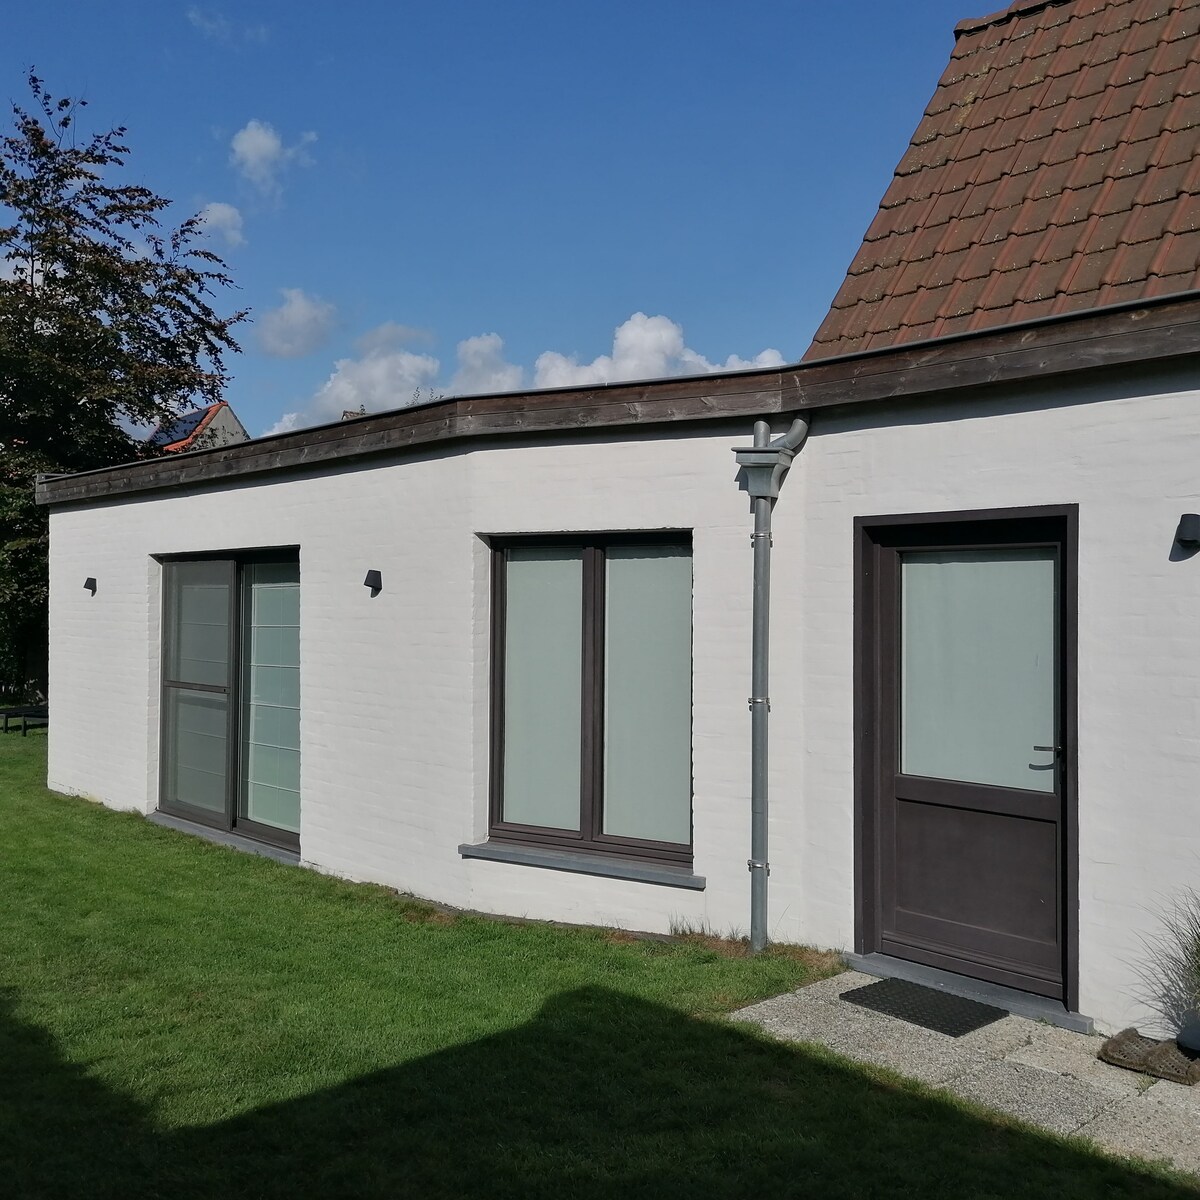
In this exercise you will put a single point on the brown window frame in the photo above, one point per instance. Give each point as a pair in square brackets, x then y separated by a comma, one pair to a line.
[589, 838]
[230, 820]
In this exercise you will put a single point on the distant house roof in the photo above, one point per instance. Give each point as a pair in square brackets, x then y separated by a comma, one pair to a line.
[182, 431]
[1056, 169]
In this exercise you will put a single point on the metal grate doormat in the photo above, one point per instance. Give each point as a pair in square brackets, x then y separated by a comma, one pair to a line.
[927, 1007]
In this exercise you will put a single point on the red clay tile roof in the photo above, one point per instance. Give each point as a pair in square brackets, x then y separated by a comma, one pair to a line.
[1057, 168]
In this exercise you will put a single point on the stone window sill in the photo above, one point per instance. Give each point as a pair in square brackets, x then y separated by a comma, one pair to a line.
[609, 866]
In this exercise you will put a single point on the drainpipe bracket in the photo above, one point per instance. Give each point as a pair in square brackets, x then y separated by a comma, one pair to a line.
[754, 865]
[763, 468]
[753, 700]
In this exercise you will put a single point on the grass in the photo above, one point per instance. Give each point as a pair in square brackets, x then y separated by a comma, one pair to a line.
[179, 1020]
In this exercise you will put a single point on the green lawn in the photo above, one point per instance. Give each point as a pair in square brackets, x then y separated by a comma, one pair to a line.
[180, 1020]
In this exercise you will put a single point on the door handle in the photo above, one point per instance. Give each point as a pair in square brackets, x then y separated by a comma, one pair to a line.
[1050, 749]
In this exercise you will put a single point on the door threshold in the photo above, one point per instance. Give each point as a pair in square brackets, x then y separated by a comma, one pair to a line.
[1020, 1004]
[225, 837]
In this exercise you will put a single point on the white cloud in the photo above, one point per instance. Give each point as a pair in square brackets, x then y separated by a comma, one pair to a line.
[381, 379]
[300, 325]
[258, 152]
[643, 348]
[285, 424]
[390, 336]
[225, 219]
[481, 367]
[386, 376]
[216, 25]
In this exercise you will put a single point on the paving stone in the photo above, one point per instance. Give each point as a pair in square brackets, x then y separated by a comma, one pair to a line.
[1053, 1101]
[1162, 1122]
[1047, 1076]
[1072, 1054]
[872, 1037]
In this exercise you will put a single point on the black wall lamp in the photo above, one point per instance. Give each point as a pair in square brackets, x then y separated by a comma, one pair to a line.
[1188, 532]
[89, 584]
[374, 581]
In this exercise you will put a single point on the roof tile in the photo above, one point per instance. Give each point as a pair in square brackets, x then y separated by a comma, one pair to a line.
[964, 297]
[1086, 170]
[1056, 168]
[1001, 290]
[1031, 70]
[1182, 115]
[1152, 10]
[963, 232]
[1186, 213]
[955, 324]
[1062, 242]
[1034, 214]
[1148, 222]
[1018, 252]
[1121, 293]
[1032, 153]
[1103, 235]
[1178, 253]
[1164, 184]
[1118, 196]
[1130, 158]
[1172, 56]
[1031, 310]
[1088, 272]
[925, 306]
[1173, 148]
[945, 269]
[1077, 205]
[1159, 88]
[981, 261]
[1146, 122]
[1043, 284]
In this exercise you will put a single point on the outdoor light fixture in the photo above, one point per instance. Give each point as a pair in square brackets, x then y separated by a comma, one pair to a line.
[374, 580]
[89, 583]
[1188, 533]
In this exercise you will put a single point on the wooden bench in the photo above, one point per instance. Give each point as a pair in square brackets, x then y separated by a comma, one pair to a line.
[27, 714]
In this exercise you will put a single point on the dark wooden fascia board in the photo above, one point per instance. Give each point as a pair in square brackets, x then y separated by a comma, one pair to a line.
[1147, 333]
[446, 422]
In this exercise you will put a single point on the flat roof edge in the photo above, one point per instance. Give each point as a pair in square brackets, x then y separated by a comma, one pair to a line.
[1146, 331]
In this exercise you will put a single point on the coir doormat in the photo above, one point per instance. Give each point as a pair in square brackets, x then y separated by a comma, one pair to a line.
[927, 1007]
[1164, 1060]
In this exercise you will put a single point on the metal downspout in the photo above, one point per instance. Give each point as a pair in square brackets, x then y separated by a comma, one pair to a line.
[763, 468]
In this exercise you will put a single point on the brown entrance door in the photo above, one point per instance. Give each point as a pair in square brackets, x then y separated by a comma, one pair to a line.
[963, 712]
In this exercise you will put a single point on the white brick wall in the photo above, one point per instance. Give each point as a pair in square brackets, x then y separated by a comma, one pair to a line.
[394, 729]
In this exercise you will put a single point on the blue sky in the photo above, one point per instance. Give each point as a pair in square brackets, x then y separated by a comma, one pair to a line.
[472, 196]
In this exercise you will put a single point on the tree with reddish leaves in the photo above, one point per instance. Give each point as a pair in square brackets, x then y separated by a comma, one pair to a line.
[107, 326]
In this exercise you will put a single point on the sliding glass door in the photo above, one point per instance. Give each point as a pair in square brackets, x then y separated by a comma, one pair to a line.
[231, 695]
[269, 779]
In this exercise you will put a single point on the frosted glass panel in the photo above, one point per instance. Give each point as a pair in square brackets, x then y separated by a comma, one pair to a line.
[197, 737]
[648, 693]
[978, 654]
[542, 665]
[271, 695]
[198, 622]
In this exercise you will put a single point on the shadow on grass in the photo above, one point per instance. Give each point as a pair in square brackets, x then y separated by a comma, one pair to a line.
[599, 1096]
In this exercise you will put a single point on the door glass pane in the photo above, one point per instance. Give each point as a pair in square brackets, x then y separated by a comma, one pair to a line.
[271, 695]
[978, 642]
[198, 622]
[542, 679]
[196, 742]
[648, 693]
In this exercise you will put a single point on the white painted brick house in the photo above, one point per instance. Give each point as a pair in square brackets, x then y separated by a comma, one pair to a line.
[540, 707]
